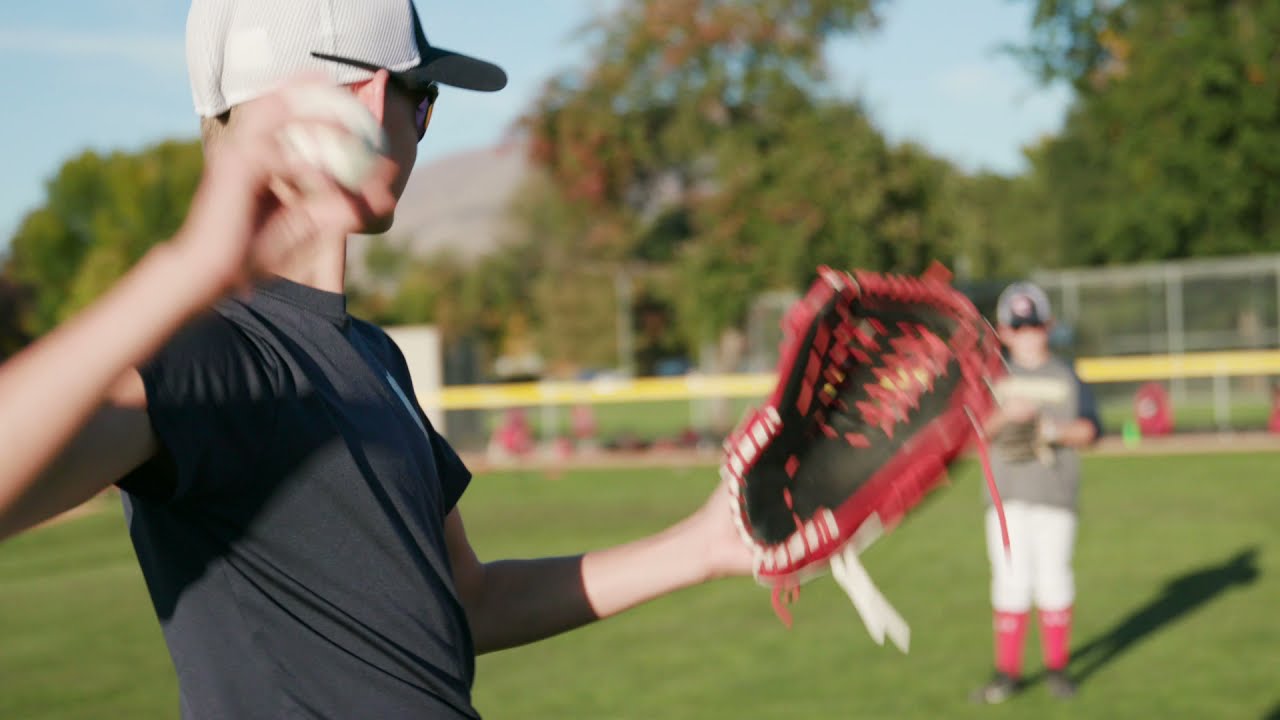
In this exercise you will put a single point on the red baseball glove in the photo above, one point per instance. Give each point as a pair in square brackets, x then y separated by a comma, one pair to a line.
[883, 382]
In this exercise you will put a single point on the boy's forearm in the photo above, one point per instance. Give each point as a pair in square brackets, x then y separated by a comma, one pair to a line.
[528, 600]
[1077, 433]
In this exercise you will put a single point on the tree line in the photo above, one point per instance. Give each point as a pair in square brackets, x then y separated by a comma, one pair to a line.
[701, 158]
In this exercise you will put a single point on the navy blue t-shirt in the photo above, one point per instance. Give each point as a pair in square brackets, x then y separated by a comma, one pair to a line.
[291, 530]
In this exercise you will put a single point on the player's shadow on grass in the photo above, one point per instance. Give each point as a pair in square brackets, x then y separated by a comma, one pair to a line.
[1180, 596]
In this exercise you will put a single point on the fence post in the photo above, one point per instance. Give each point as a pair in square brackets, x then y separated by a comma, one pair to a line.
[697, 414]
[624, 295]
[1071, 300]
[1277, 270]
[547, 415]
[1173, 323]
[1221, 399]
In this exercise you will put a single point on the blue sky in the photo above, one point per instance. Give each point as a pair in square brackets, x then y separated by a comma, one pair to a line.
[109, 74]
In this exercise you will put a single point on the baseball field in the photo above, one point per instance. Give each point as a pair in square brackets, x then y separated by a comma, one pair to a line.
[1178, 616]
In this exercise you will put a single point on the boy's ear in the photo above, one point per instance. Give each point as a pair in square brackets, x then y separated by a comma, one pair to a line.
[372, 93]
[1005, 333]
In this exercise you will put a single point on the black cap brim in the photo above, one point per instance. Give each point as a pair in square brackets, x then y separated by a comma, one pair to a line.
[455, 69]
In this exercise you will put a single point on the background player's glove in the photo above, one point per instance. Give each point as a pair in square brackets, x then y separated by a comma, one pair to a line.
[883, 381]
[1019, 442]
[1029, 436]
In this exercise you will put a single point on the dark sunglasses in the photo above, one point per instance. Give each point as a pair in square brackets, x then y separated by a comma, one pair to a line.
[1019, 323]
[424, 95]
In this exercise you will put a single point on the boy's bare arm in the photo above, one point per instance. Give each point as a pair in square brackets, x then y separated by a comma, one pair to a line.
[73, 416]
[514, 602]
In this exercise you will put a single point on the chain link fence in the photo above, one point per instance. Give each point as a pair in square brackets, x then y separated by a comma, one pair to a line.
[1226, 304]
[1206, 305]
[1195, 306]
[1169, 308]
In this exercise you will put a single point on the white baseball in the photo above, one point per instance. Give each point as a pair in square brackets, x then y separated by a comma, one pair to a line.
[347, 153]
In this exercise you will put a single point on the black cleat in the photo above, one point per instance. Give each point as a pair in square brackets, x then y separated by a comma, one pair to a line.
[1060, 686]
[1000, 688]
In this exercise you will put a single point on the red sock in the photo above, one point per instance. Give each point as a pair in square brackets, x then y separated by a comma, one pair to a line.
[1011, 629]
[1055, 638]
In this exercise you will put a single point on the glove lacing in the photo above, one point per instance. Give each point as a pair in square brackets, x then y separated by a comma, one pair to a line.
[878, 615]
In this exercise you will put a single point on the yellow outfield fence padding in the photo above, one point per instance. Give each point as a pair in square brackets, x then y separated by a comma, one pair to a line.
[1166, 367]
[612, 390]
[690, 387]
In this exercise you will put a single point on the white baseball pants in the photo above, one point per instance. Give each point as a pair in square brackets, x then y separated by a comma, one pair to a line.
[1037, 567]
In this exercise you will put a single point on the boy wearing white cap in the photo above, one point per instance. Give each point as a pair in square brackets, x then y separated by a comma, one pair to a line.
[1045, 413]
[292, 508]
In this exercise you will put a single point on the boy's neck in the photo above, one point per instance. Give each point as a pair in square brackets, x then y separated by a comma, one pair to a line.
[1031, 361]
[321, 264]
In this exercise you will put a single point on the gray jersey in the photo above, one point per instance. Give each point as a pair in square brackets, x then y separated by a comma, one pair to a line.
[1052, 475]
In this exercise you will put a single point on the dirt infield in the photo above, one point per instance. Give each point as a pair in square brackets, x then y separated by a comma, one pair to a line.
[1183, 443]
[1192, 443]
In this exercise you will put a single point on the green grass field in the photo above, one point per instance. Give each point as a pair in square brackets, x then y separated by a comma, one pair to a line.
[1178, 569]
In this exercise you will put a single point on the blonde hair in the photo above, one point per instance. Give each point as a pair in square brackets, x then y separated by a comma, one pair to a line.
[213, 129]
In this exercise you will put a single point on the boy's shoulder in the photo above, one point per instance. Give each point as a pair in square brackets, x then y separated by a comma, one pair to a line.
[215, 338]
[372, 331]
[379, 339]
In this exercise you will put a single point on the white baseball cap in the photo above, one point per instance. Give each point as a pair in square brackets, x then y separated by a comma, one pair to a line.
[238, 50]
[1023, 303]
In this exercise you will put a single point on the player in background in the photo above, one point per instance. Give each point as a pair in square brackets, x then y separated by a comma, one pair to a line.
[1046, 413]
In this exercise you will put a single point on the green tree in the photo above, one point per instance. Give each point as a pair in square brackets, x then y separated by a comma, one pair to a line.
[481, 300]
[13, 300]
[703, 138]
[560, 263]
[101, 214]
[1006, 225]
[1172, 148]
[827, 189]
